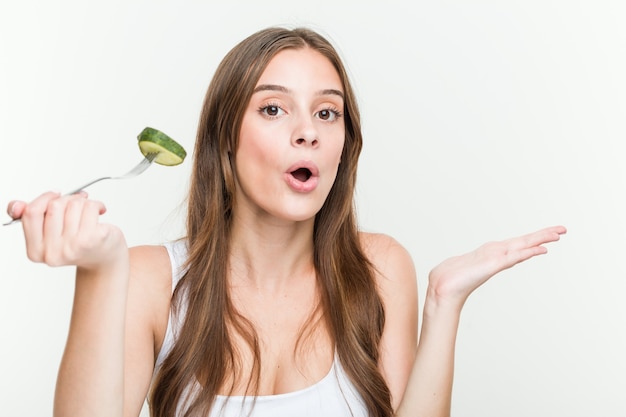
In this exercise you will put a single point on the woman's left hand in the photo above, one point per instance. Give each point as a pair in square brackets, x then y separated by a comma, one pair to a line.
[456, 278]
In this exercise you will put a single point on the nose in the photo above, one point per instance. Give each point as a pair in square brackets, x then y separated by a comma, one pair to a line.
[303, 141]
[305, 134]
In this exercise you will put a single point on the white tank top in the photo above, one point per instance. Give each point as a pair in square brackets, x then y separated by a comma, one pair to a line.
[334, 395]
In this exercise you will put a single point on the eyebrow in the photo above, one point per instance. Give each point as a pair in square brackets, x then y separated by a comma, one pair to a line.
[280, 88]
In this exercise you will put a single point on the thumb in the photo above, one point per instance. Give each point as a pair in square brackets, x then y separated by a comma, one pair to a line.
[15, 209]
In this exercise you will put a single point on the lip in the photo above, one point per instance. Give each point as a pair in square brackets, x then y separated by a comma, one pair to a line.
[302, 186]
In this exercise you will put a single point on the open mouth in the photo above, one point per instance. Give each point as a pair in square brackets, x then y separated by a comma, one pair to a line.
[301, 174]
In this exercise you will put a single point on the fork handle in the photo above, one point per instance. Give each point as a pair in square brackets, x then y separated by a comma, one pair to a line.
[82, 187]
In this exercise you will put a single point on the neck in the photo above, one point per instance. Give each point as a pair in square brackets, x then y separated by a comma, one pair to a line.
[269, 255]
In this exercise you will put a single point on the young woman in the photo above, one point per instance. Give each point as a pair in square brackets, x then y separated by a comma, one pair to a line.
[274, 303]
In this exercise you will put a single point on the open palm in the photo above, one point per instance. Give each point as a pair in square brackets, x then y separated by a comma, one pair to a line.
[456, 278]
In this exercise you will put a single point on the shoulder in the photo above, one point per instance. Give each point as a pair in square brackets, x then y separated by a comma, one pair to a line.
[397, 286]
[149, 260]
[390, 259]
[150, 267]
[150, 289]
[394, 270]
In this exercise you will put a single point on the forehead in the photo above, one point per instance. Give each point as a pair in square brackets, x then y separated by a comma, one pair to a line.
[304, 67]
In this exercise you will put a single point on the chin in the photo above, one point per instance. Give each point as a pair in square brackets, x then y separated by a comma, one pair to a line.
[298, 214]
[299, 217]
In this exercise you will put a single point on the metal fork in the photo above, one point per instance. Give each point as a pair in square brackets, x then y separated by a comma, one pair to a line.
[138, 169]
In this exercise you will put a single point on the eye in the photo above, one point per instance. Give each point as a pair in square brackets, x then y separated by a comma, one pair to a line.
[271, 110]
[329, 114]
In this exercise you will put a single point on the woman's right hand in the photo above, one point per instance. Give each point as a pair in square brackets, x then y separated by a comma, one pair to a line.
[65, 230]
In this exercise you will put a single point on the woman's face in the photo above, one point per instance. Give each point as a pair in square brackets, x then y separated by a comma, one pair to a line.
[291, 137]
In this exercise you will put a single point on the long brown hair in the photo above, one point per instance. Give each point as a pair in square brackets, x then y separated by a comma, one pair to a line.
[352, 308]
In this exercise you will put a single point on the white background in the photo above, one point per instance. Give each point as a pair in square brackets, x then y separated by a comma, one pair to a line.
[482, 120]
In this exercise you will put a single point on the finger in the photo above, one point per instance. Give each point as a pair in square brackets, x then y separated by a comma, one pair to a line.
[527, 253]
[15, 209]
[73, 214]
[540, 237]
[90, 218]
[55, 221]
[507, 258]
[32, 223]
[551, 234]
[92, 231]
[38, 206]
[561, 230]
[101, 207]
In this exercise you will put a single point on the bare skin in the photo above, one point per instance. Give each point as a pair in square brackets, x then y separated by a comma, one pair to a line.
[430, 363]
[122, 296]
[450, 284]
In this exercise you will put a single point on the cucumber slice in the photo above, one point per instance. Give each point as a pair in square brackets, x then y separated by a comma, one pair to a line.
[169, 152]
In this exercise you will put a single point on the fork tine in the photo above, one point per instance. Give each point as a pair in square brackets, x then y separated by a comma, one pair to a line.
[141, 167]
[136, 170]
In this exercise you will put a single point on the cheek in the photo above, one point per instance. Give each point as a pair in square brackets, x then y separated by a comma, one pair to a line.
[256, 139]
[334, 159]
[249, 159]
[255, 157]
[333, 142]
[339, 150]
[250, 147]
